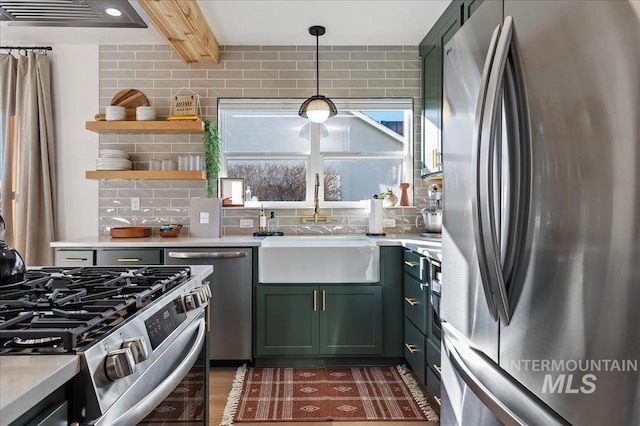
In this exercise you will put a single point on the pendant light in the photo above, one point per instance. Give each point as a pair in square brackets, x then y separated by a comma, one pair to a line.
[317, 108]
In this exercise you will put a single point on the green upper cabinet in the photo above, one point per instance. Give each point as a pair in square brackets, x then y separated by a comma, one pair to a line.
[433, 106]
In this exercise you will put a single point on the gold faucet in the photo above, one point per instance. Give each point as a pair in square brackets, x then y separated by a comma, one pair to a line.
[316, 206]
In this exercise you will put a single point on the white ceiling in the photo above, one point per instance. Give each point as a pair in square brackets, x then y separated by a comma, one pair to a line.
[267, 22]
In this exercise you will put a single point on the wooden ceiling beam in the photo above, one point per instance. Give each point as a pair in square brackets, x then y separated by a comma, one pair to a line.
[185, 28]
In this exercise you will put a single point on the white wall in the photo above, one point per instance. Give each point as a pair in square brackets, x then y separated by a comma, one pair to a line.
[75, 80]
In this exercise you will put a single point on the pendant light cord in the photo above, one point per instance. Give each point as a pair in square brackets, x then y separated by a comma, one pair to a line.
[317, 65]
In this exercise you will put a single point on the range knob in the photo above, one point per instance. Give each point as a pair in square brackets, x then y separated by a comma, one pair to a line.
[119, 364]
[138, 348]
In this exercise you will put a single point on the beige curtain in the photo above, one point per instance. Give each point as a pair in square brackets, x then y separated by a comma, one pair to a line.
[29, 166]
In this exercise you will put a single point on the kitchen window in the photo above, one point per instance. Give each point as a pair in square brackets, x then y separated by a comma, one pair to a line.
[363, 150]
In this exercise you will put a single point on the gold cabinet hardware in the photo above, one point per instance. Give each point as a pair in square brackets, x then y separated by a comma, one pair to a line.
[315, 300]
[438, 400]
[438, 369]
[411, 348]
[324, 300]
[412, 302]
[410, 264]
[128, 259]
[74, 259]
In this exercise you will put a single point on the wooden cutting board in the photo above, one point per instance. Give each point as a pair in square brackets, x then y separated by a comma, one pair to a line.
[130, 99]
[130, 232]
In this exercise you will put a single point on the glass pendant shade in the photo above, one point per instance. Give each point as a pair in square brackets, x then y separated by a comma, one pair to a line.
[317, 109]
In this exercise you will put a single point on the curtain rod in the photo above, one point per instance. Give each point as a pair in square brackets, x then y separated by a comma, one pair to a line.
[26, 48]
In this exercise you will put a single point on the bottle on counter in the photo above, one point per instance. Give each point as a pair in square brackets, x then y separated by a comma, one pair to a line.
[263, 219]
[272, 224]
[247, 194]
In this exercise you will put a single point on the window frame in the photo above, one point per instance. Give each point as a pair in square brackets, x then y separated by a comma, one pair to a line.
[314, 158]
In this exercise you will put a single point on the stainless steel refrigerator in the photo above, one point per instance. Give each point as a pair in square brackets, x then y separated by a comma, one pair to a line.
[541, 228]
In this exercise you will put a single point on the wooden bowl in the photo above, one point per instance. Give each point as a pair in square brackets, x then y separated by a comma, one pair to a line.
[169, 234]
[130, 232]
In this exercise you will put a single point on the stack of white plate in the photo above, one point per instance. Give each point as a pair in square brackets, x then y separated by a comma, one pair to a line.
[113, 159]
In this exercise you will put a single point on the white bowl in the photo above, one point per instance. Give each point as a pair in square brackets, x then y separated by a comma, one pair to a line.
[114, 113]
[145, 113]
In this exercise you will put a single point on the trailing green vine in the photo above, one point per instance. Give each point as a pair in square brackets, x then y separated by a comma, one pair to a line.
[211, 142]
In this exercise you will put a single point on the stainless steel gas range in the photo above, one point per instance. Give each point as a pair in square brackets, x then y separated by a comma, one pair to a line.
[140, 335]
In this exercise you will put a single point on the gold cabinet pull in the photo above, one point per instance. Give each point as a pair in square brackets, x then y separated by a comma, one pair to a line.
[410, 264]
[128, 259]
[411, 348]
[438, 400]
[74, 259]
[438, 369]
[412, 302]
[324, 300]
[315, 300]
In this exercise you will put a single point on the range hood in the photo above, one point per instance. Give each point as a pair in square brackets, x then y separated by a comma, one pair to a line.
[70, 13]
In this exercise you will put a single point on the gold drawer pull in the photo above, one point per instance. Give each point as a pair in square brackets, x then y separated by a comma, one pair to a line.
[438, 400]
[128, 259]
[412, 302]
[438, 369]
[410, 264]
[411, 348]
[74, 259]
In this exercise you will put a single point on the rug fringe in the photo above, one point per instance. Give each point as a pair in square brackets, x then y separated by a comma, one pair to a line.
[417, 393]
[234, 397]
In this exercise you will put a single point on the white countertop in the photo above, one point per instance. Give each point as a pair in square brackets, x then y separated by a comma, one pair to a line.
[26, 380]
[156, 241]
[429, 246]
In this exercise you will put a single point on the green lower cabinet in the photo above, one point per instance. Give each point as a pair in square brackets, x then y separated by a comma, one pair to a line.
[287, 321]
[318, 320]
[351, 320]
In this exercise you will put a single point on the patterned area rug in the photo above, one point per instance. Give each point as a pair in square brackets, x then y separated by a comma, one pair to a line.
[319, 394]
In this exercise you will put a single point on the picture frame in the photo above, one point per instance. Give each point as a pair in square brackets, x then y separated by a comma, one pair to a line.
[231, 191]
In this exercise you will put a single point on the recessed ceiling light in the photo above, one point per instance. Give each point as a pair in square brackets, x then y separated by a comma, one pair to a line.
[112, 11]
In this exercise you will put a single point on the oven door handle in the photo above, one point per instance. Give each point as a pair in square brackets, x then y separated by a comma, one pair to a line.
[135, 414]
[207, 254]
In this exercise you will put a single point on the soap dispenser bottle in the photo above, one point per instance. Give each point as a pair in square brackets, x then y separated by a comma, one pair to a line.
[272, 224]
[263, 219]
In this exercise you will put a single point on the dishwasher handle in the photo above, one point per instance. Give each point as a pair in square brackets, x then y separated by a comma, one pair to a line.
[207, 254]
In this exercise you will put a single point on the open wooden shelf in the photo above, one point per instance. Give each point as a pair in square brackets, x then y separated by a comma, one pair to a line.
[163, 126]
[147, 174]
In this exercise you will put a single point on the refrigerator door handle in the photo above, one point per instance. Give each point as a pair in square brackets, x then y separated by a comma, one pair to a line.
[478, 194]
[486, 180]
[507, 400]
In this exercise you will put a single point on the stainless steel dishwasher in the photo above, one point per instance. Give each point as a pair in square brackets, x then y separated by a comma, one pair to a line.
[231, 307]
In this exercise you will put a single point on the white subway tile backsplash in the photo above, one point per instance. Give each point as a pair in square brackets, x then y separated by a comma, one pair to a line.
[244, 71]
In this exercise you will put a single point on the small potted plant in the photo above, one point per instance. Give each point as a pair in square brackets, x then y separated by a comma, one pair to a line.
[388, 197]
[211, 142]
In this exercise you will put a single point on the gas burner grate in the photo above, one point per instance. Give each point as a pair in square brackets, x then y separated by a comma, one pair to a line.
[70, 308]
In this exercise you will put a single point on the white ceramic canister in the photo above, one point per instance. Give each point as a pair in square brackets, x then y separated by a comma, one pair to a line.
[145, 113]
[114, 113]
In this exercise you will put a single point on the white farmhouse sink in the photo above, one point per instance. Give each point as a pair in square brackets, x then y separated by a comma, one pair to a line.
[348, 259]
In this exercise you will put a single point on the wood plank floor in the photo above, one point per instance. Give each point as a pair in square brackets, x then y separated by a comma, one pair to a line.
[220, 380]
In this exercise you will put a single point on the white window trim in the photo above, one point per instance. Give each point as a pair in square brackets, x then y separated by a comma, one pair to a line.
[314, 158]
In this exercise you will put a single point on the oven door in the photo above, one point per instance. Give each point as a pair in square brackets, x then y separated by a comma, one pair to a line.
[173, 390]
